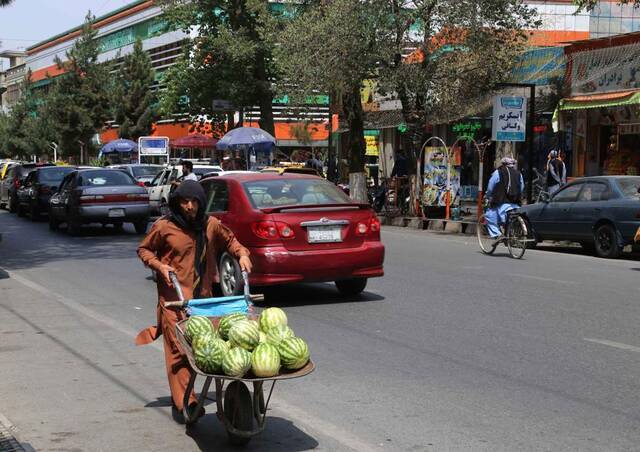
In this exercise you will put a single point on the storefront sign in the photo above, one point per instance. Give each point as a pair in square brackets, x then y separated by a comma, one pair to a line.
[371, 138]
[629, 129]
[466, 129]
[605, 70]
[539, 66]
[153, 146]
[509, 118]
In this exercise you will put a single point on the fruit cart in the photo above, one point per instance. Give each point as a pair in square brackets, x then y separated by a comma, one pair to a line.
[243, 412]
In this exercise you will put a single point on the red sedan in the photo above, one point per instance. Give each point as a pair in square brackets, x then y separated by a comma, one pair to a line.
[299, 228]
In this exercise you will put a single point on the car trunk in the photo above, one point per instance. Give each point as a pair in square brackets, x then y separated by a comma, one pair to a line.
[321, 228]
[117, 194]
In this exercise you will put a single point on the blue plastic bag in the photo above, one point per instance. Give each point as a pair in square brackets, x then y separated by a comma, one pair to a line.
[217, 307]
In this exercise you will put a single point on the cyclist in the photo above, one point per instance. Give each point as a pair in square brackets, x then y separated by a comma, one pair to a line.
[504, 192]
[556, 173]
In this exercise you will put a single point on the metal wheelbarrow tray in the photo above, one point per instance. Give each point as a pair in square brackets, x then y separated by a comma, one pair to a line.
[237, 407]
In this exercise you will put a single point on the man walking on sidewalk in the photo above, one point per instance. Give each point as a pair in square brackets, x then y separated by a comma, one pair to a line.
[186, 242]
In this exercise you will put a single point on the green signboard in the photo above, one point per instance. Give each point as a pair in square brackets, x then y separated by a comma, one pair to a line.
[144, 30]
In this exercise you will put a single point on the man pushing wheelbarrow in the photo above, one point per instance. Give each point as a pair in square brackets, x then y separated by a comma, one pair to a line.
[186, 242]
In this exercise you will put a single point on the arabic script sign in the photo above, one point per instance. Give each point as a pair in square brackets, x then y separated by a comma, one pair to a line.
[509, 118]
[605, 70]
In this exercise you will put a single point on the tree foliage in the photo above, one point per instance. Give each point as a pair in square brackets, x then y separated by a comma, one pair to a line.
[230, 56]
[133, 100]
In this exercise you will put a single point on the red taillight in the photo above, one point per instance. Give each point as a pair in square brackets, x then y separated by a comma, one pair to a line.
[16, 182]
[367, 227]
[87, 199]
[362, 228]
[374, 226]
[141, 184]
[272, 230]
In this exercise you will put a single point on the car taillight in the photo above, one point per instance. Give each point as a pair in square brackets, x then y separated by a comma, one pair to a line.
[272, 230]
[372, 225]
[141, 184]
[90, 198]
[16, 182]
[138, 196]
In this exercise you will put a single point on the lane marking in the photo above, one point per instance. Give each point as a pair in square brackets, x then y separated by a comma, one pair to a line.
[540, 278]
[620, 345]
[311, 422]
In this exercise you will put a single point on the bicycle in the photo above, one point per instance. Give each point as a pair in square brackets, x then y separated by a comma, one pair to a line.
[515, 235]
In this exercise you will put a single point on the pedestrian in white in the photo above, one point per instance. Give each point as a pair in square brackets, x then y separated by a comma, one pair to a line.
[556, 173]
[187, 171]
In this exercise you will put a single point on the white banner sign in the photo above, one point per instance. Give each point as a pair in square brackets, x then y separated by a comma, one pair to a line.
[153, 146]
[509, 118]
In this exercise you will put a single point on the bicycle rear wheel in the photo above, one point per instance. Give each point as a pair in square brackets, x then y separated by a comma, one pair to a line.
[487, 244]
[517, 236]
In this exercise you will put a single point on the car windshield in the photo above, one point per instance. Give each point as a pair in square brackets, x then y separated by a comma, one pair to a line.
[293, 192]
[629, 186]
[53, 176]
[148, 171]
[105, 177]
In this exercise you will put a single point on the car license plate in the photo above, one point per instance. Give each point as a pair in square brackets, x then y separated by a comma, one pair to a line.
[115, 213]
[324, 234]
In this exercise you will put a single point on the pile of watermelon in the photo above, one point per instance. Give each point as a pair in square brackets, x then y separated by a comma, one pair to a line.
[240, 344]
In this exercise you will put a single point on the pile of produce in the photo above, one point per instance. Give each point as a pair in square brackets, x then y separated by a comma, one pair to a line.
[240, 344]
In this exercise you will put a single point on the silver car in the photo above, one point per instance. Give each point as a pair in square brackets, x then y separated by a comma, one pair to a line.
[104, 196]
[140, 171]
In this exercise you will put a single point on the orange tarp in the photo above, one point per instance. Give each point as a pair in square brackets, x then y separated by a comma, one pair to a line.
[545, 38]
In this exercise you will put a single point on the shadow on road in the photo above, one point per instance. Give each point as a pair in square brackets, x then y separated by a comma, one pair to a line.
[310, 294]
[279, 435]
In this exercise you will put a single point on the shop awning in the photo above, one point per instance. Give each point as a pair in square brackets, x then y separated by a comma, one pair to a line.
[600, 100]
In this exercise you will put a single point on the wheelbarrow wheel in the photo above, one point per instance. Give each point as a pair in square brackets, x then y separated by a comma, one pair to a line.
[238, 410]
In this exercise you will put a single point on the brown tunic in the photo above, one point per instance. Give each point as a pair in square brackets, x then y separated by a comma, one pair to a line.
[168, 244]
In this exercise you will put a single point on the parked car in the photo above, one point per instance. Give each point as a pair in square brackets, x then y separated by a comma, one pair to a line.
[99, 196]
[34, 194]
[161, 186]
[13, 179]
[141, 172]
[5, 165]
[601, 213]
[297, 169]
[299, 228]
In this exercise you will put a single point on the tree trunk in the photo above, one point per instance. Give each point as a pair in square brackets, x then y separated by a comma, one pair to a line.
[266, 96]
[354, 115]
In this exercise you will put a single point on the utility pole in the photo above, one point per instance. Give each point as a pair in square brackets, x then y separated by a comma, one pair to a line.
[54, 146]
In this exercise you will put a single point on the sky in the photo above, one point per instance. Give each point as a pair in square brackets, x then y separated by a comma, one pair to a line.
[27, 22]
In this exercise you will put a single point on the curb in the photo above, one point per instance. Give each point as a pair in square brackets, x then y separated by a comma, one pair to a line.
[436, 225]
[8, 441]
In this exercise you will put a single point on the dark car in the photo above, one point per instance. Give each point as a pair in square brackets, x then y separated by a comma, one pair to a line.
[601, 213]
[299, 228]
[13, 180]
[34, 194]
[140, 171]
[104, 196]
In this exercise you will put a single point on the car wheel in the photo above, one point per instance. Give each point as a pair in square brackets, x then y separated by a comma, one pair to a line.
[34, 213]
[230, 276]
[20, 210]
[53, 222]
[74, 227]
[140, 226]
[13, 204]
[351, 287]
[606, 242]
[164, 208]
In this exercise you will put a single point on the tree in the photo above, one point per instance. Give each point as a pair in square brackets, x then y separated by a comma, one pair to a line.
[4, 3]
[461, 50]
[80, 97]
[133, 101]
[230, 56]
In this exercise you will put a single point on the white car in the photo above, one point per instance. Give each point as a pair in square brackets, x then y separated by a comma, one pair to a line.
[162, 184]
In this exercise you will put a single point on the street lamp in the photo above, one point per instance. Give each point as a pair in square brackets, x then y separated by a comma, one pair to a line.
[54, 146]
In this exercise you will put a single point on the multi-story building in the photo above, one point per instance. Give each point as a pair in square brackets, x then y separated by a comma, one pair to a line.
[12, 79]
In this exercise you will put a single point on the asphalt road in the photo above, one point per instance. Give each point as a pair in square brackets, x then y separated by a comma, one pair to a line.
[451, 350]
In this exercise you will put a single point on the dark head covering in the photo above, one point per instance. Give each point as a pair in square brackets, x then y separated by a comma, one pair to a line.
[190, 189]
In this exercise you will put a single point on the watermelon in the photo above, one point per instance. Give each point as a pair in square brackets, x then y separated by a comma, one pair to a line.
[201, 339]
[209, 355]
[196, 326]
[227, 321]
[245, 334]
[263, 337]
[294, 353]
[236, 362]
[265, 360]
[271, 317]
[279, 332]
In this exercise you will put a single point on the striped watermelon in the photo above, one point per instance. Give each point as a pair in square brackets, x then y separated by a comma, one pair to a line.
[236, 362]
[263, 337]
[265, 361]
[294, 353]
[271, 317]
[278, 333]
[227, 321]
[201, 339]
[245, 334]
[209, 355]
[196, 326]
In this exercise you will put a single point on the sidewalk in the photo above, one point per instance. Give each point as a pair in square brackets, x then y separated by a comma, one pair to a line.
[467, 227]
[8, 441]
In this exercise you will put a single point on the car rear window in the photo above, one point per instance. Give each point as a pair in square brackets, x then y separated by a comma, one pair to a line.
[629, 186]
[53, 176]
[293, 192]
[105, 177]
[141, 171]
[200, 171]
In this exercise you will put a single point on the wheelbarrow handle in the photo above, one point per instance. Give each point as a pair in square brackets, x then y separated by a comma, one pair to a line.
[176, 284]
[174, 304]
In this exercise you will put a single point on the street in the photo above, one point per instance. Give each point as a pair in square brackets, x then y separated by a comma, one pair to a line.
[450, 350]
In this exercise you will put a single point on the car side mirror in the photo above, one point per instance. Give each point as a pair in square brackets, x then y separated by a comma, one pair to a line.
[147, 184]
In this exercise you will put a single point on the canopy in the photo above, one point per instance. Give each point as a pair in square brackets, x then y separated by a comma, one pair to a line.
[117, 146]
[253, 137]
[600, 100]
[195, 140]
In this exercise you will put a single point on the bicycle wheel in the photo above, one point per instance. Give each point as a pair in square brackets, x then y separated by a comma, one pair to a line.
[517, 236]
[487, 244]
